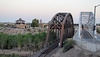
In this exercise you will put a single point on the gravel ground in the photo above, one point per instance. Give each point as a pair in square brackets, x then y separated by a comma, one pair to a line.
[75, 52]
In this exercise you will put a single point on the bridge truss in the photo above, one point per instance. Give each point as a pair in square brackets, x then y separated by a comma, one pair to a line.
[87, 22]
[60, 27]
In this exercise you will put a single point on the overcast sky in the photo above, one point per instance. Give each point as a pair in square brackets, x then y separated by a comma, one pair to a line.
[11, 10]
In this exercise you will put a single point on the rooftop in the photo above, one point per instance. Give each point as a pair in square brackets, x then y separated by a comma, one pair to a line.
[20, 20]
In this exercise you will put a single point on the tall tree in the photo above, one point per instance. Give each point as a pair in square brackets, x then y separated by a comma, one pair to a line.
[35, 22]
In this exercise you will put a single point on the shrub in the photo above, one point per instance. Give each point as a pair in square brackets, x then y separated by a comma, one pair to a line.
[21, 41]
[68, 44]
[13, 55]
[52, 36]
[98, 30]
[28, 29]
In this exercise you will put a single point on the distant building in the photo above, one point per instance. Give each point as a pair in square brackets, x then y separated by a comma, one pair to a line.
[20, 21]
[21, 24]
[43, 25]
[40, 20]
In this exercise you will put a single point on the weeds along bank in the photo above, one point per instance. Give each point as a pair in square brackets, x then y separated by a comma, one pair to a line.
[24, 42]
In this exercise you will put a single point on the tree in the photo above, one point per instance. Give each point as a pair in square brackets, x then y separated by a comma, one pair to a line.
[3, 40]
[19, 40]
[52, 36]
[23, 41]
[35, 22]
[10, 42]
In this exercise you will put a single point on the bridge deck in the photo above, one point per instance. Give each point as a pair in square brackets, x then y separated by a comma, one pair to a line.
[87, 37]
[86, 34]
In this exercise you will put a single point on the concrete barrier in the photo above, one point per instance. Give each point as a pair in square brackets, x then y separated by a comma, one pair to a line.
[86, 45]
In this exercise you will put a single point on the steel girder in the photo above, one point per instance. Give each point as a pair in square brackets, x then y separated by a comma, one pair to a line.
[62, 25]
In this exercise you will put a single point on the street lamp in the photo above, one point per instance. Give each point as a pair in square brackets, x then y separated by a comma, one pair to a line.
[95, 20]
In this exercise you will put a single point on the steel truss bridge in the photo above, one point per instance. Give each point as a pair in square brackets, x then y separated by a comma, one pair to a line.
[59, 28]
[62, 25]
[87, 24]
[86, 36]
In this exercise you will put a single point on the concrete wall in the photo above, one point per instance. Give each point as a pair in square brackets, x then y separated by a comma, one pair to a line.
[85, 44]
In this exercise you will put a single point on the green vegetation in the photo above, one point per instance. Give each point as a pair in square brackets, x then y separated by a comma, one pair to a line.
[52, 36]
[22, 41]
[68, 44]
[98, 30]
[28, 29]
[1, 25]
[13, 55]
[35, 23]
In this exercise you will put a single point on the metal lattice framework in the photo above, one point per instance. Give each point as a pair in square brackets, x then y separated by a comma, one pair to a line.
[87, 22]
[62, 26]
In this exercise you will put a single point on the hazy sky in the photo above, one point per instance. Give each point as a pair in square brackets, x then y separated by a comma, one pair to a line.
[11, 10]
